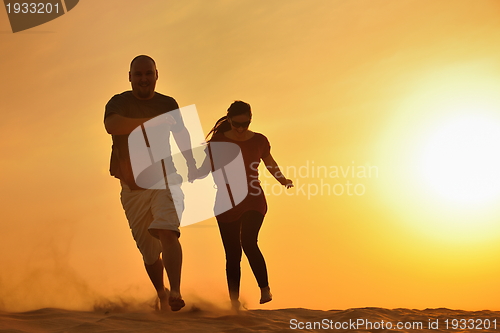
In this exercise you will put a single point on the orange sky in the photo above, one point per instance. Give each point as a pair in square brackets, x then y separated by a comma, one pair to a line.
[334, 84]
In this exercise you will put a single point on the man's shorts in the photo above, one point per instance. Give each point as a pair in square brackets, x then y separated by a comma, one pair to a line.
[150, 210]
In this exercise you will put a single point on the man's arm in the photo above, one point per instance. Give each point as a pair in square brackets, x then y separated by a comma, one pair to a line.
[183, 140]
[119, 125]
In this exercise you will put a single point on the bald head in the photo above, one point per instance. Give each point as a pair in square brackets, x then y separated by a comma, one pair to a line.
[142, 57]
[143, 76]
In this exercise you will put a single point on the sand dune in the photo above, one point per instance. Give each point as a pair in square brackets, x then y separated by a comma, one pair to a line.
[194, 319]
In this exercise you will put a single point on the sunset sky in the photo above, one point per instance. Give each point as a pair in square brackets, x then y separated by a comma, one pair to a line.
[386, 115]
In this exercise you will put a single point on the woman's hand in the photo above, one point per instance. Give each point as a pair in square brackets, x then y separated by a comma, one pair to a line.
[274, 169]
[204, 170]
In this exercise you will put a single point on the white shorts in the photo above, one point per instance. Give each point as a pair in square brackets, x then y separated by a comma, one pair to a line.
[150, 210]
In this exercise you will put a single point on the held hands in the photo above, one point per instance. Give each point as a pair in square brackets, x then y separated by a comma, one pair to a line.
[192, 173]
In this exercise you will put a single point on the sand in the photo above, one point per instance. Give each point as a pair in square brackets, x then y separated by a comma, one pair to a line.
[194, 319]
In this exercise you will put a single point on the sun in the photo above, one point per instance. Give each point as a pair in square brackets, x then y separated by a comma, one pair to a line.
[460, 160]
[440, 153]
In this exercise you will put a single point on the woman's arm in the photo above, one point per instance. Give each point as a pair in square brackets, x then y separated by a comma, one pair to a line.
[274, 169]
[205, 167]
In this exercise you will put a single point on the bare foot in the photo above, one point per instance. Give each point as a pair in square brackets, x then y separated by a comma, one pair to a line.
[265, 295]
[235, 305]
[163, 297]
[175, 301]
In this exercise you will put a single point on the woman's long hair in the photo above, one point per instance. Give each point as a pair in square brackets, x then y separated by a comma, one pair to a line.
[222, 125]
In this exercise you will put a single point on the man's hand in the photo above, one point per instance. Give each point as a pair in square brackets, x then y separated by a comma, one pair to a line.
[192, 173]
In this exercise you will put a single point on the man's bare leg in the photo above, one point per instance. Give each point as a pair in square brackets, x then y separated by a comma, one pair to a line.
[155, 273]
[172, 261]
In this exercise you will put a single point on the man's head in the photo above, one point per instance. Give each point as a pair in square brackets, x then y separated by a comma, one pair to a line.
[143, 76]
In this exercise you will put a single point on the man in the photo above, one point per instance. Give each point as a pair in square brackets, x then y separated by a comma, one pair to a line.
[153, 214]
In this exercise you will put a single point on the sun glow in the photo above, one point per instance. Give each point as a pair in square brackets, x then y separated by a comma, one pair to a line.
[441, 155]
[460, 161]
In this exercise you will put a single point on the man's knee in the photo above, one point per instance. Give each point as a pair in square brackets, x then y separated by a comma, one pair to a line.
[150, 259]
[150, 251]
[154, 264]
[168, 236]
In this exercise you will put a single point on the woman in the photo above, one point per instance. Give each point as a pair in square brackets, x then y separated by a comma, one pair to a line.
[239, 226]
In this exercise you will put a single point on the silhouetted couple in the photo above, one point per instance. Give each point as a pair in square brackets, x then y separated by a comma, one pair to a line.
[153, 214]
